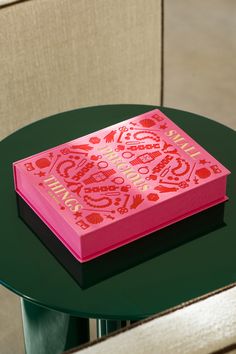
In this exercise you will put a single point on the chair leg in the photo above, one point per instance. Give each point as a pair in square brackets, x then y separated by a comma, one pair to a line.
[48, 331]
[104, 327]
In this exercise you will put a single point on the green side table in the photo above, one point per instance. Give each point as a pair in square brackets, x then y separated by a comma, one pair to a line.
[196, 256]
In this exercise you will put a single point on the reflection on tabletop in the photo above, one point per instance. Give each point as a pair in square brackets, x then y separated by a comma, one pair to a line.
[117, 261]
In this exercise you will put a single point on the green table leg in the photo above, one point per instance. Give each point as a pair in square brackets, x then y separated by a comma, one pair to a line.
[47, 331]
[105, 327]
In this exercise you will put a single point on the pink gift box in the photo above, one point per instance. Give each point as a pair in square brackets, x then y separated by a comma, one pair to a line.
[113, 186]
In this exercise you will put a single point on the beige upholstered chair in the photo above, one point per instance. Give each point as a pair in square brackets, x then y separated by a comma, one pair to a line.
[203, 326]
[58, 55]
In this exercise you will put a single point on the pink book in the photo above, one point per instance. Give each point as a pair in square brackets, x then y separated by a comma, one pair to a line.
[123, 182]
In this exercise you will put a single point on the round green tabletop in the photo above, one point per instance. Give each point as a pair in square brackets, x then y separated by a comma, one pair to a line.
[196, 266]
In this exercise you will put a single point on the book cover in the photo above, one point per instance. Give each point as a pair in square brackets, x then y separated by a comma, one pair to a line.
[110, 187]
